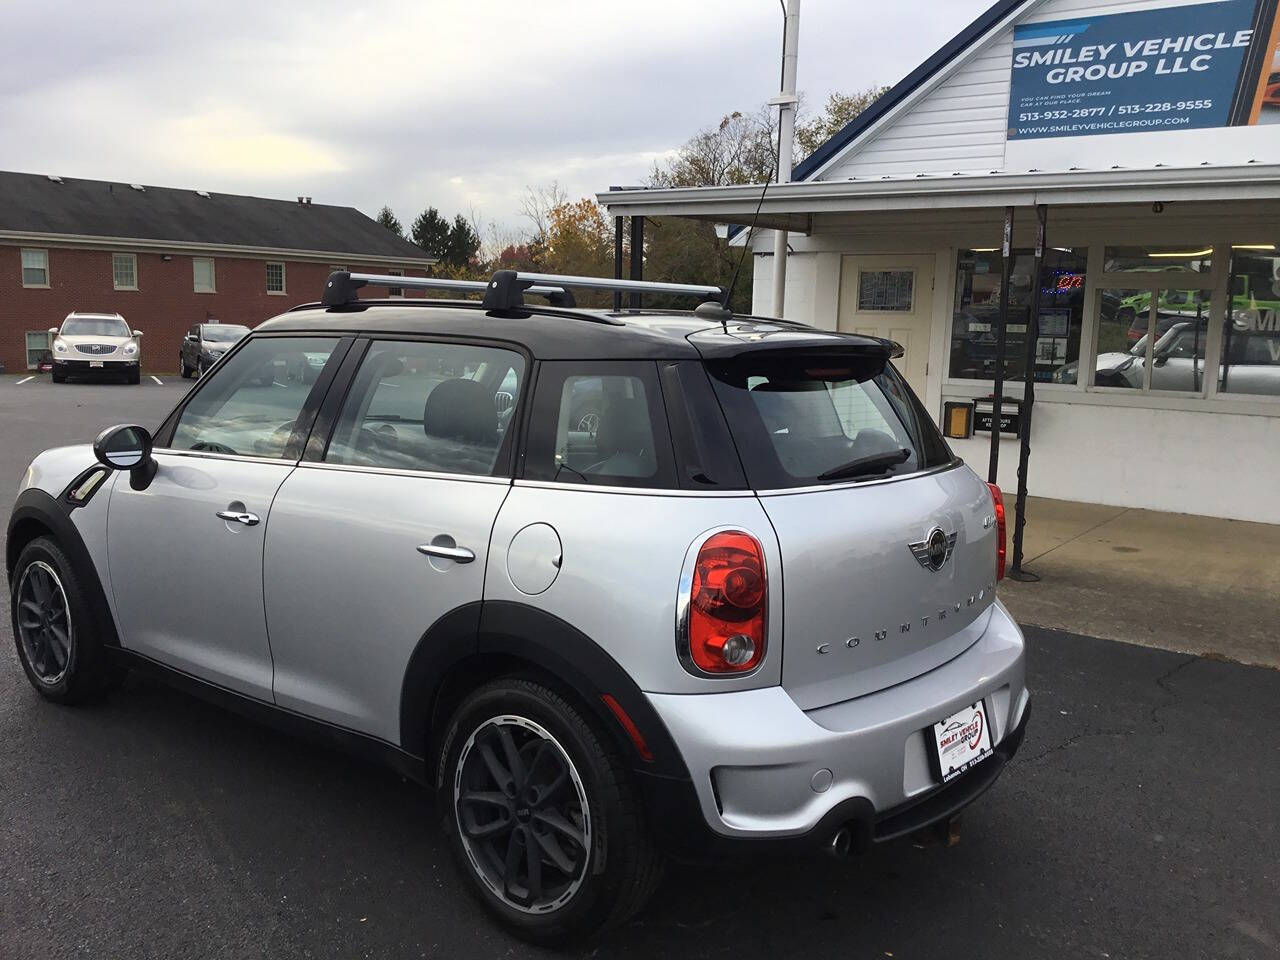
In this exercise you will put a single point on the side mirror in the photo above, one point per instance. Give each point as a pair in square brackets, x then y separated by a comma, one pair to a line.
[190, 338]
[53, 331]
[137, 333]
[127, 447]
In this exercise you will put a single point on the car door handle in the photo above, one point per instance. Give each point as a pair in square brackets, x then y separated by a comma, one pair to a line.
[238, 516]
[458, 554]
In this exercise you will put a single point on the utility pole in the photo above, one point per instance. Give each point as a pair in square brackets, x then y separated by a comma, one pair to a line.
[786, 103]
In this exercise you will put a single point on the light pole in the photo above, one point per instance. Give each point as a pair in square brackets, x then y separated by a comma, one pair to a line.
[786, 102]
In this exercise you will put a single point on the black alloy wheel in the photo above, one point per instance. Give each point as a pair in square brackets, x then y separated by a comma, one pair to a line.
[522, 814]
[44, 623]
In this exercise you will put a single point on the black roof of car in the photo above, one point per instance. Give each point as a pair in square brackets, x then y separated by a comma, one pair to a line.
[554, 333]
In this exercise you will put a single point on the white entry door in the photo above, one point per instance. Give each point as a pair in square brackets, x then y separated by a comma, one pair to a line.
[890, 296]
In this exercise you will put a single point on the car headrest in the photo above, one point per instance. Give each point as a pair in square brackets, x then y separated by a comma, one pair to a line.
[462, 410]
[624, 426]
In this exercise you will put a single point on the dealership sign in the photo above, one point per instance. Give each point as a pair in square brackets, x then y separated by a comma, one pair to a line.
[1176, 68]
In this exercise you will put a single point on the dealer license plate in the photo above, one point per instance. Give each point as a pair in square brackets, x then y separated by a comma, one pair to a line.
[95, 363]
[962, 739]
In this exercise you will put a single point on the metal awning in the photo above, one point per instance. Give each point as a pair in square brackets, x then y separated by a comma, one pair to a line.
[791, 206]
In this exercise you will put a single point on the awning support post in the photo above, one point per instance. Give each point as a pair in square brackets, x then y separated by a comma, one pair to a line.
[786, 101]
[637, 256]
[617, 262]
[997, 392]
[1028, 400]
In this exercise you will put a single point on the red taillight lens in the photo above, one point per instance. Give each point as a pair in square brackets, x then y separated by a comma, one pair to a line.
[726, 618]
[997, 499]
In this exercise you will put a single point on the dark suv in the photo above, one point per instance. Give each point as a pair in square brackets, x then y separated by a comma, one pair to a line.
[204, 345]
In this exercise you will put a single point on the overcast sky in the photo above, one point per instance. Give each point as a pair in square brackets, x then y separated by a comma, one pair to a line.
[458, 105]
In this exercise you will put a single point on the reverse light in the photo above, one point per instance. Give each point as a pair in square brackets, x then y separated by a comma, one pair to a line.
[997, 499]
[721, 627]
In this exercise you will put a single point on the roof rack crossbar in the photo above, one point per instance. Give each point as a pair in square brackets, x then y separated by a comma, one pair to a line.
[342, 286]
[637, 286]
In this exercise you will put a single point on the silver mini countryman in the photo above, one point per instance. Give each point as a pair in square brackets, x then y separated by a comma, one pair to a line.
[614, 585]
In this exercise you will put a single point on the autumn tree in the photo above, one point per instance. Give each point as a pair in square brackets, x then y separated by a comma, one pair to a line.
[840, 110]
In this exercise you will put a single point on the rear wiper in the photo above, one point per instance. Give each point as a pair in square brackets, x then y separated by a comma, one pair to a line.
[865, 466]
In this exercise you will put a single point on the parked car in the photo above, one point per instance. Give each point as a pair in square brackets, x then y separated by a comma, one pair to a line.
[205, 343]
[96, 345]
[752, 606]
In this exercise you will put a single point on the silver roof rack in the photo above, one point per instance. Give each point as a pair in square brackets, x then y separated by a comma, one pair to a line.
[342, 286]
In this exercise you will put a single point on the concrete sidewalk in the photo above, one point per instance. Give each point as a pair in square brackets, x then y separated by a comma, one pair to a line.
[1194, 584]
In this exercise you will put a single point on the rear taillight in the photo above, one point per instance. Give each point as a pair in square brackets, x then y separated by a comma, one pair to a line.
[997, 499]
[722, 606]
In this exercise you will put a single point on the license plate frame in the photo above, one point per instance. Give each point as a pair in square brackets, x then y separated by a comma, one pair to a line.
[961, 741]
[95, 363]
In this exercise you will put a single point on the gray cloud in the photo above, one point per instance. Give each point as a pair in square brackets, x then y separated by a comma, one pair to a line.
[416, 103]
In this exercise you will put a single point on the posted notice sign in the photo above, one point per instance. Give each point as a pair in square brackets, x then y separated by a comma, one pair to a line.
[1176, 68]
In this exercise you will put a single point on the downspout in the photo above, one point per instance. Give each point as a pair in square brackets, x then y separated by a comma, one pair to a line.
[786, 102]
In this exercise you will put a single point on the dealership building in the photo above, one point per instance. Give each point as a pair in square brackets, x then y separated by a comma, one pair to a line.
[166, 259]
[1145, 135]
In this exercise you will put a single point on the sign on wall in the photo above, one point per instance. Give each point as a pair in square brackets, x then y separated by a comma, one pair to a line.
[1175, 68]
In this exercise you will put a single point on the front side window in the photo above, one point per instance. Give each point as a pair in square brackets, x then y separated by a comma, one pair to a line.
[124, 271]
[275, 278]
[436, 407]
[250, 405]
[1251, 325]
[35, 268]
[602, 423]
[202, 271]
[975, 323]
[824, 419]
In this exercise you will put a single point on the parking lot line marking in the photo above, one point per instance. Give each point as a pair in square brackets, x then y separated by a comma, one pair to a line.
[24, 380]
[279, 384]
[159, 382]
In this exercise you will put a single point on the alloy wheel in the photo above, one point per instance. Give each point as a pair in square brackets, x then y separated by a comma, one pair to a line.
[44, 622]
[522, 814]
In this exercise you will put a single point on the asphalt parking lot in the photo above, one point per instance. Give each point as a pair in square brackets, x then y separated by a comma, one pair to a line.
[1139, 820]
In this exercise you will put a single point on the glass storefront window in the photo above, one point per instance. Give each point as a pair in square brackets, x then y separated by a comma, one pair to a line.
[1251, 327]
[976, 319]
[1150, 258]
[1152, 339]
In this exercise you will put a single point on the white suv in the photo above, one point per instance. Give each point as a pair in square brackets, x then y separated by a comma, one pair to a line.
[96, 345]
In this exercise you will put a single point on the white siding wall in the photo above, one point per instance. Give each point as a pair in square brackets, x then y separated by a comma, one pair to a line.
[959, 125]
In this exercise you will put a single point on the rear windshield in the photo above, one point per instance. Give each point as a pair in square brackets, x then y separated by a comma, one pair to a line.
[95, 327]
[815, 420]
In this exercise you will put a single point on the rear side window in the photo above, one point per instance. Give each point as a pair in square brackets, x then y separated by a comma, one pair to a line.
[436, 407]
[822, 419]
[600, 423]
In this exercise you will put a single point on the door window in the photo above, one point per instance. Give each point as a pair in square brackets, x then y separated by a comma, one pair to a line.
[437, 407]
[250, 406]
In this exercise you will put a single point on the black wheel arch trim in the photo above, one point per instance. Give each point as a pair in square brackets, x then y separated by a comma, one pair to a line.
[500, 629]
[36, 508]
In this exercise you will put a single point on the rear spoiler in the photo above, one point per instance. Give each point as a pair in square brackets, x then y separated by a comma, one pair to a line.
[772, 340]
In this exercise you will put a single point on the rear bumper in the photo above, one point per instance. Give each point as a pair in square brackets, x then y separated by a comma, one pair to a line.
[753, 755]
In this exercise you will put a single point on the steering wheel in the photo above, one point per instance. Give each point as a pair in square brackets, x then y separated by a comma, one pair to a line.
[213, 446]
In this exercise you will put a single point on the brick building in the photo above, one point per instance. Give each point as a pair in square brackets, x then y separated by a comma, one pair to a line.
[167, 258]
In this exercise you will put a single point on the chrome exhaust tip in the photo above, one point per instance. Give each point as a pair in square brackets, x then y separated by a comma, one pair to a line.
[841, 843]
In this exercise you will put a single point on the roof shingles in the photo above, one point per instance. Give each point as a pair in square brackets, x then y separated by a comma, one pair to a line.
[35, 204]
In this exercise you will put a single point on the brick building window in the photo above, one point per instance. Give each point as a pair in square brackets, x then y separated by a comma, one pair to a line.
[124, 271]
[202, 269]
[35, 268]
[275, 278]
[395, 291]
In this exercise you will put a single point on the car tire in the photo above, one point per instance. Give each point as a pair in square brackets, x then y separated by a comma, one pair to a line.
[596, 863]
[186, 371]
[58, 377]
[200, 369]
[55, 629]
